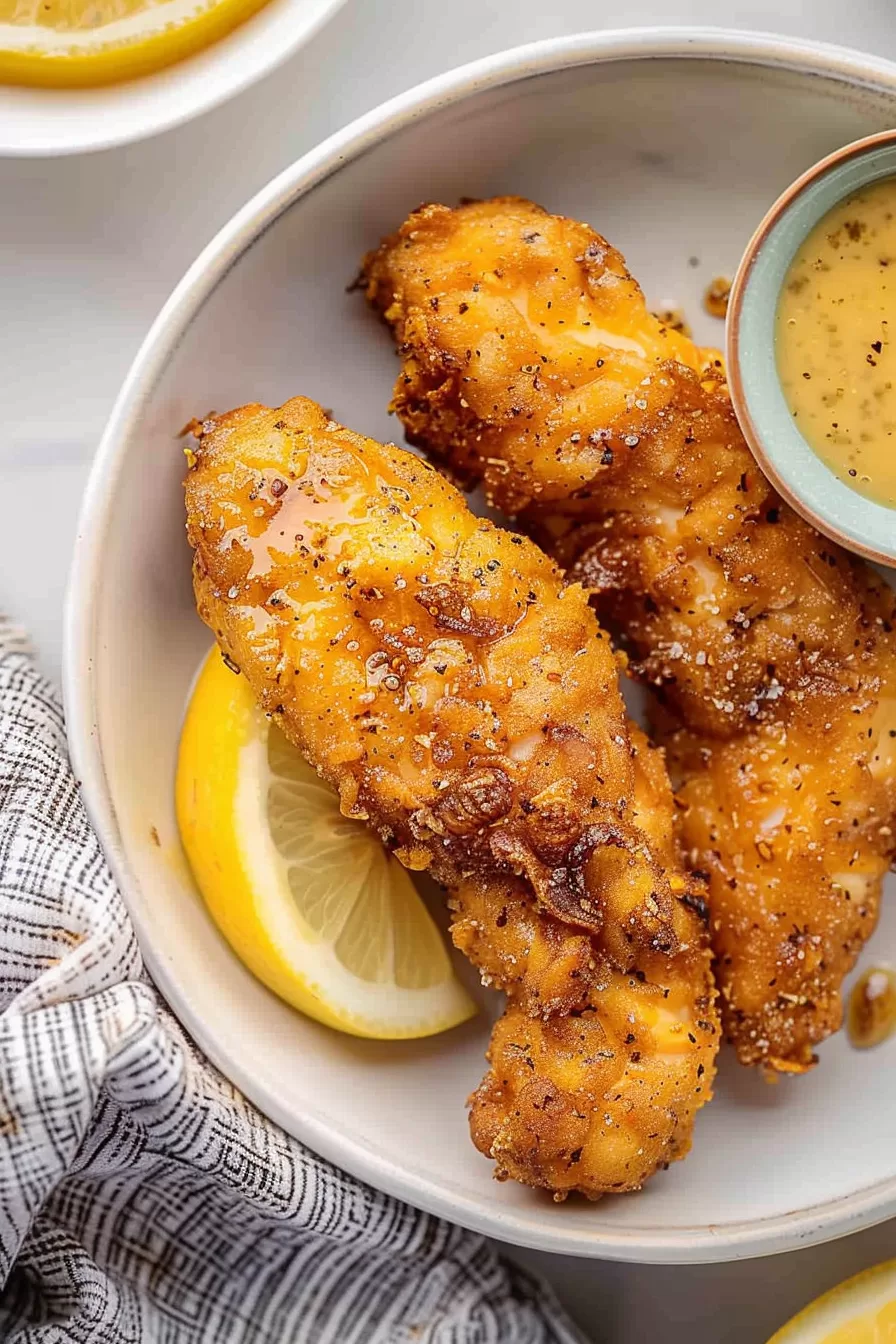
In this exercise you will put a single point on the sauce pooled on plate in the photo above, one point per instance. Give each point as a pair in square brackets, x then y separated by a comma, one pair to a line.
[834, 341]
[871, 1016]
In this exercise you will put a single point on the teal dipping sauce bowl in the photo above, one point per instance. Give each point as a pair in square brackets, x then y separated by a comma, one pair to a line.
[787, 459]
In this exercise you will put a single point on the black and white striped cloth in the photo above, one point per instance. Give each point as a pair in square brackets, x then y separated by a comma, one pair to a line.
[143, 1200]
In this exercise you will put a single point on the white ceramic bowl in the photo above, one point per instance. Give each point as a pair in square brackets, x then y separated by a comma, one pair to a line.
[36, 122]
[670, 142]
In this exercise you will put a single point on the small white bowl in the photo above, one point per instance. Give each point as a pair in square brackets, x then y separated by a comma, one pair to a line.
[669, 142]
[42, 122]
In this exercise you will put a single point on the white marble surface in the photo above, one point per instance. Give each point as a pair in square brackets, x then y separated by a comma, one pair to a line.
[89, 249]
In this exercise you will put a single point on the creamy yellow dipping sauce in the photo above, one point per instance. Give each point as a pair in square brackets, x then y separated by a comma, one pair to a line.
[835, 340]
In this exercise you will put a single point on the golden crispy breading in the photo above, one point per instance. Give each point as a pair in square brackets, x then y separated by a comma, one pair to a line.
[530, 361]
[464, 702]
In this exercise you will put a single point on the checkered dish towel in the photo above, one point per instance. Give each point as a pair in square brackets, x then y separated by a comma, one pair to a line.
[142, 1198]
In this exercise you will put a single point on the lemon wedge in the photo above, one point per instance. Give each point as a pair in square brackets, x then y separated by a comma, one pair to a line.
[307, 898]
[65, 43]
[862, 1310]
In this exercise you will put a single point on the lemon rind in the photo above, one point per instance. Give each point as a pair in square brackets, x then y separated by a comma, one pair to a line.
[90, 59]
[850, 1300]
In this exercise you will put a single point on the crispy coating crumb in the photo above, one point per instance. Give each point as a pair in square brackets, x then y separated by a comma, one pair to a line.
[464, 702]
[530, 362]
[716, 295]
[674, 318]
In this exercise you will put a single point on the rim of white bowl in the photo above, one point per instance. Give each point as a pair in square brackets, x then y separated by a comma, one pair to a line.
[703, 1243]
[166, 98]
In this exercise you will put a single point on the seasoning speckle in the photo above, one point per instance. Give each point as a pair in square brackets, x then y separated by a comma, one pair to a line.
[674, 319]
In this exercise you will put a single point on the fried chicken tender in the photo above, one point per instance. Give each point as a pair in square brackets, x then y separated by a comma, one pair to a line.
[530, 362]
[464, 703]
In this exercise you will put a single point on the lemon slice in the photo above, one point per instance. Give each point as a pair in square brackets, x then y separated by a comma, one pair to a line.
[307, 898]
[87, 42]
[860, 1311]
